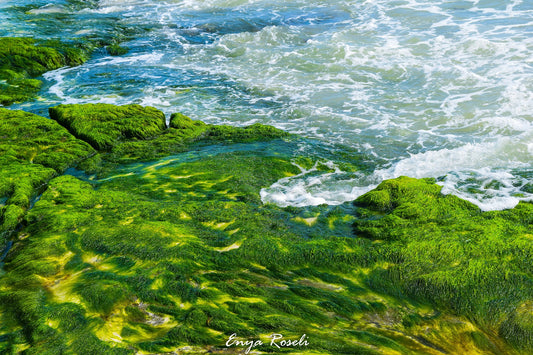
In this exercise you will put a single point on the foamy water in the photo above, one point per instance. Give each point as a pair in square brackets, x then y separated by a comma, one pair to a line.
[428, 88]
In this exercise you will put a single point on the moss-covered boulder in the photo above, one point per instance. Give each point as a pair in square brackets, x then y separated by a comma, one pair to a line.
[183, 133]
[105, 125]
[33, 149]
[445, 251]
[130, 133]
[38, 140]
[395, 206]
[22, 59]
[182, 122]
[225, 133]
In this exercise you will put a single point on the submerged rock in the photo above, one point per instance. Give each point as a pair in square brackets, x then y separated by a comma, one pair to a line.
[22, 59]
[116, 49]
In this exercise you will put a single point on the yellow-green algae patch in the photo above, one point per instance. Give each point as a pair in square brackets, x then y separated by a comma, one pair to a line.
[309, 221]
[235, 245]
[313, 296]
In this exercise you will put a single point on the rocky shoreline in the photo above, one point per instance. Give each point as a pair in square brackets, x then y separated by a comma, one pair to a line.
[128, 247]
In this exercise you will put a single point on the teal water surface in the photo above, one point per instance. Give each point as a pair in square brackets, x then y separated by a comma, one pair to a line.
[438, 89]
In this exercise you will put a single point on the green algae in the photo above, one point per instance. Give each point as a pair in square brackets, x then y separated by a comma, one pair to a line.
[174, 286]
[445, 251]
[250, 133]
[23, 59]
[33, 149]
[517, 328]
[403, 203]
[123, 130]
[116, 49]
[104, 125]
[130, 133]
[176, 253]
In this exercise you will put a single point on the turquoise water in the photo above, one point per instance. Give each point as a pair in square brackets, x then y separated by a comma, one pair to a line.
[438, 89]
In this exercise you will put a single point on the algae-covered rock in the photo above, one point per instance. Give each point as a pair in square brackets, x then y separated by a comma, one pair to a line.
[183, 133]
[180, 121]
[22, 55]
[163, 253]
[21, 59]
[34, 139]
[399, 204]
[172, 254]
[255, 132]
[33, 149]
[132, 132]
[104, 125]
[443, 250]
[116, 50]
[225, 133]
[165, 267]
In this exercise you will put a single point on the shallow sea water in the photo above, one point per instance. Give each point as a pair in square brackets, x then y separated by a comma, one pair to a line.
[438, 89]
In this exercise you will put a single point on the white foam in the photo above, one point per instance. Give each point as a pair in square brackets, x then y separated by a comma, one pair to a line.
[459, 164]
[506, 153]
[415, 83]
[48, 9]
[312, 191]
[58, 87]
[312, 188]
